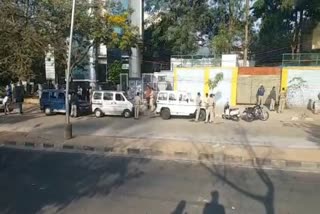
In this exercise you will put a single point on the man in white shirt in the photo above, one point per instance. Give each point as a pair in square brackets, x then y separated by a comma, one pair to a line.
[198, 103]
[6, 104]
[137, 103]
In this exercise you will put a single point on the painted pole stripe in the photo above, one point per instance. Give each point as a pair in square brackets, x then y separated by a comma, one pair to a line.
[206, 80]
[234, 85]
[284, 78]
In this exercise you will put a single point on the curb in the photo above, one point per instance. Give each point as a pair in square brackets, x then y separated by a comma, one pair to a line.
[217, 158]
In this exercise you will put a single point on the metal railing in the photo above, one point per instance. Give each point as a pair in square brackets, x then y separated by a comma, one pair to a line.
[301, 59]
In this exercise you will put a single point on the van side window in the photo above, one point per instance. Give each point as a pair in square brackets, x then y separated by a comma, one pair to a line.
[163, 96]
[45, 95]
[97, 96]
[61, 96]
[119, 97]
[53, 95]
[172, 97]
[108, 96]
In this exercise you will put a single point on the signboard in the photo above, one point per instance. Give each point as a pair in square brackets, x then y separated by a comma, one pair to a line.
[50, 65]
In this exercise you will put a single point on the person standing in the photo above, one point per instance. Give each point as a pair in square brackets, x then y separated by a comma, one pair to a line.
[282, 100]
[74, 105]
[19, 96]
[260, 95]
[198, 103]
[273, 98]
[137, 103]
[210, 109]
[206, 105]
[79, 92]
[151, 99]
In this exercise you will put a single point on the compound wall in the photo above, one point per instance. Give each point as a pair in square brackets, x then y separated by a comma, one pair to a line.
[195, 80]
[302, 84]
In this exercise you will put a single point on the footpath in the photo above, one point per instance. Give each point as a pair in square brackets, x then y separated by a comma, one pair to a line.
[295, 126]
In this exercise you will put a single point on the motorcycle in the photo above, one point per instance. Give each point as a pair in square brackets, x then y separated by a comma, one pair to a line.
[231, 113]
[254, 113]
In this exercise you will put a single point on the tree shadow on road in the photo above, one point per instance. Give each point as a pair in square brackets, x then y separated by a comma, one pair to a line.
[313, 131]
[267, 198]
[34, 182]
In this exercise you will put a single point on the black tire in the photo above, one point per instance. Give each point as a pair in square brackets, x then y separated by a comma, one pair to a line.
[165, 114]
[264, 116]
[202, 116]
[247, 116]
[235, 118]
[126, 113]
[47, 111]
[98, 113]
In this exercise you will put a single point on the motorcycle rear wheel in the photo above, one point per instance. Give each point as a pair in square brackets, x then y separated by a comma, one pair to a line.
[264, 116]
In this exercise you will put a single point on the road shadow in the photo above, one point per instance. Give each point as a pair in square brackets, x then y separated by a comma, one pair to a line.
[214, 207]
[267, 198]
[180, 208]
[34, 182]
[313, 131]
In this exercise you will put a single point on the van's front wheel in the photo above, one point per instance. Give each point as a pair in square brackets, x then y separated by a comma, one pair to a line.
[165, 114]
[202, 116]
[98, 113]
[127, 113]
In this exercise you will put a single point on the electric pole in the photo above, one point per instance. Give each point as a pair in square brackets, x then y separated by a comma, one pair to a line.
[68, 126]
[246, 39]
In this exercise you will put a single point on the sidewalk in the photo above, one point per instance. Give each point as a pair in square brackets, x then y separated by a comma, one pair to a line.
[242, 154]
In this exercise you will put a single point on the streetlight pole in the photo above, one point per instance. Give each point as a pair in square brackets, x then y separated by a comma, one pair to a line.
[68, 125]
[246, 39]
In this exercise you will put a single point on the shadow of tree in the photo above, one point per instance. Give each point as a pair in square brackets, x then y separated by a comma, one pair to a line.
[55, 180]
[313, 131]
[267, 199]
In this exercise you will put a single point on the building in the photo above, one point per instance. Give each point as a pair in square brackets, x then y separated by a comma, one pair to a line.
[98, 58]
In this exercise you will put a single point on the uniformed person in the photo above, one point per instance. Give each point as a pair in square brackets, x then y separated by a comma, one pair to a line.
[137, 103]
[210, 109]
[198, 103]
[282, 100]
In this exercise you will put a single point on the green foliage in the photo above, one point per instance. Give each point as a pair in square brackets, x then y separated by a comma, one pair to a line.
[214, 83]
[178, 26]
[283, 23]
[28, 27]
[114, 71]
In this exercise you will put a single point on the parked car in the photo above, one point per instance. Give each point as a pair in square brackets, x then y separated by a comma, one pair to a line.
[53, 101]
[111, 103]
[172, 103]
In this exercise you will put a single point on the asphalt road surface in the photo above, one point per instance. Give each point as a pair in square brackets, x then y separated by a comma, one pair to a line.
[43, 182]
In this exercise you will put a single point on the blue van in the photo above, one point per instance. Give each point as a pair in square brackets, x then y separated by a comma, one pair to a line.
[53, 101]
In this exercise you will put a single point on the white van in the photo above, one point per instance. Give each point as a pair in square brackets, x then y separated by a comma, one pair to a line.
[111, 103]
[173, 103]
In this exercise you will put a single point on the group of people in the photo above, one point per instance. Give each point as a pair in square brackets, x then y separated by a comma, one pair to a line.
[15, 95]
[150, 97]
[273, 98]
[209, 103]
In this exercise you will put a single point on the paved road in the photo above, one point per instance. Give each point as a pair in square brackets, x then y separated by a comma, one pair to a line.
[282, 134]
[41, 182]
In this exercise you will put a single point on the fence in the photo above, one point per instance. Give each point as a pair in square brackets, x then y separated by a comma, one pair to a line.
[305, 59]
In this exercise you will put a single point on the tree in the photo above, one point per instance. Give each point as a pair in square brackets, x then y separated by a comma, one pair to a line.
[214, 83]
[114, 71]
[179, 26]
[28, 27]
[282, 25]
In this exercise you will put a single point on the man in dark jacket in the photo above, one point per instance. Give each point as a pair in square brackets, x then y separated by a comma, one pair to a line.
[273, 98]
[260, 94]
[19, 96]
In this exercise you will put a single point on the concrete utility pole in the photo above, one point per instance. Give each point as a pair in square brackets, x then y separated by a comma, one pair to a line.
[68, 125]
[246, 40]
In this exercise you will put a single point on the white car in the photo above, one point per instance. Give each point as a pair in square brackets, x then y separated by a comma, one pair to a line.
[172, 103]
[111, 103]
